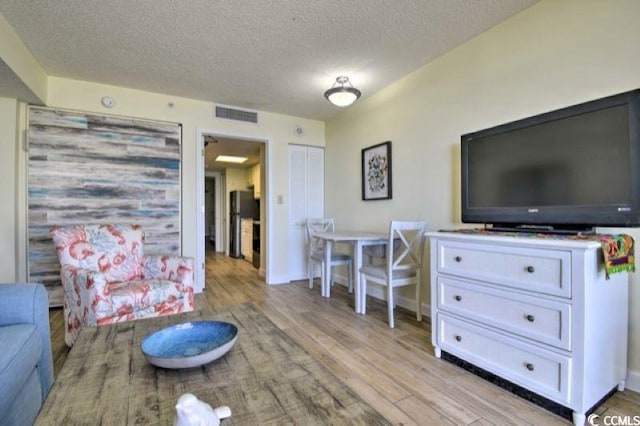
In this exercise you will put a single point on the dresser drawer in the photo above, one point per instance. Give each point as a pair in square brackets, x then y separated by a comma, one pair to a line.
[541, 371]
[542, 271]
[531, 317]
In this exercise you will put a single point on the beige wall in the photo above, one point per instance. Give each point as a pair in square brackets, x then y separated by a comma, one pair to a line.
[8, 146]
[236, 179]
[554, 54]
[277, 129]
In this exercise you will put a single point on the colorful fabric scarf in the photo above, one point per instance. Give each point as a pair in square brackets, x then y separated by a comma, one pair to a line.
[618, 253]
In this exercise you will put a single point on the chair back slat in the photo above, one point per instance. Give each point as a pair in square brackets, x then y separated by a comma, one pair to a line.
[316, 226]
[406, 242]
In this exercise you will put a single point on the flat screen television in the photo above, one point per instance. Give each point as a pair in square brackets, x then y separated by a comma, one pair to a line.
[567, 170]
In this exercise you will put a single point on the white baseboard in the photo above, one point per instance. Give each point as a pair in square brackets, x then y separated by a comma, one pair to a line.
[633, 380]
[404, 302]
[379, 293]
[278, 279]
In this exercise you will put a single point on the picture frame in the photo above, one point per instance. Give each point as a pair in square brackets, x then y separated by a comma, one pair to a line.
[376, 172]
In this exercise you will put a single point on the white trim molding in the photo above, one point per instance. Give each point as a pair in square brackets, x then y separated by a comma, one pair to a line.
[200, 175]
[633, 380]
[379, 293]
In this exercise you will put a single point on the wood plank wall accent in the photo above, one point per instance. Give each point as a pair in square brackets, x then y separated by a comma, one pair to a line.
[89, 168]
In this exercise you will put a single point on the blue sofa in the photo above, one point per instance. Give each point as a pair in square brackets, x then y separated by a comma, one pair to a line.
[26, 362]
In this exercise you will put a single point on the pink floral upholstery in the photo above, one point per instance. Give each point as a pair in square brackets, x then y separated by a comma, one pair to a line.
[107, 278]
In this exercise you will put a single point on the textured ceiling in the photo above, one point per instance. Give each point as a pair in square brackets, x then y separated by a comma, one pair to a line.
[272, 55]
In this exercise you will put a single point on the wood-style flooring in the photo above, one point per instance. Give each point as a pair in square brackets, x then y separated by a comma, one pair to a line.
[395, 371]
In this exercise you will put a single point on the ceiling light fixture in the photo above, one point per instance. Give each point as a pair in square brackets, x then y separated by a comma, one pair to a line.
[342, 95]
[231, 159]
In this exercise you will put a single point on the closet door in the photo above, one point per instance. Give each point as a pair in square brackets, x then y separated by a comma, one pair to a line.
[306, 199]
[315, 182]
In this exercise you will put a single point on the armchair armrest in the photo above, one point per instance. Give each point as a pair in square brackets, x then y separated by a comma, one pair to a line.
[85, 287]
[174, 268]
[90, 281]
[29, 304]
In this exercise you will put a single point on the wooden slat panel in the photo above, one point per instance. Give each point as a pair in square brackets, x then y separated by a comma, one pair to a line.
[87, 168]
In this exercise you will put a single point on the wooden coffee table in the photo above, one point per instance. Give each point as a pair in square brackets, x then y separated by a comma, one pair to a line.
[266, 378]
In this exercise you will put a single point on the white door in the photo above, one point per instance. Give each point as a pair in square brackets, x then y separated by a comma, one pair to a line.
[306, 199]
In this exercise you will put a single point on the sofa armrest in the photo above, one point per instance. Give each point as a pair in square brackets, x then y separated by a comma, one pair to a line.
[174, 268]
[29, 304]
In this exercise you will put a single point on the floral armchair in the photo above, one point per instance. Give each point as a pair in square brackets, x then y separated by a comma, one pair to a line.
[107, 278]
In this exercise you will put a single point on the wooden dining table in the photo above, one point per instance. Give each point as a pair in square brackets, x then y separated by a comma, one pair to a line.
[358, 239]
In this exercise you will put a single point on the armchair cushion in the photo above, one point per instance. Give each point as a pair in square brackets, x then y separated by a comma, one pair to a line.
[115, 251]
[107, 278]
[141, 295]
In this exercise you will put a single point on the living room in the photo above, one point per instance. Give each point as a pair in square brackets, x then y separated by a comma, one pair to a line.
[551, 55]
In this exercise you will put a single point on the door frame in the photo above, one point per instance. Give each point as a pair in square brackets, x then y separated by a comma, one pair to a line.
[219, 214]
[264, 201]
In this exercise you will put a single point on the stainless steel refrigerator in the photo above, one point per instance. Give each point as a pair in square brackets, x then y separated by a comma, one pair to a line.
[241, 205]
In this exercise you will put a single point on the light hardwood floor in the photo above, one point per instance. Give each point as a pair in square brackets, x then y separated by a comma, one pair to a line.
[393, 370]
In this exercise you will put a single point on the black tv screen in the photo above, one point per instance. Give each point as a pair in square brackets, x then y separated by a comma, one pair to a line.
[571, 168]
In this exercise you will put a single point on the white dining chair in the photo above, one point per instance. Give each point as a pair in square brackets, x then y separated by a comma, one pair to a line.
[402, 267]
[315, 251]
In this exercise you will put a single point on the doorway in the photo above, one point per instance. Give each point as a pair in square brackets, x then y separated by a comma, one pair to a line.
[245, 173]
[213, 207]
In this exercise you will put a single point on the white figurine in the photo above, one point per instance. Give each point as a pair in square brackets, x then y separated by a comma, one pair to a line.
[190, 411]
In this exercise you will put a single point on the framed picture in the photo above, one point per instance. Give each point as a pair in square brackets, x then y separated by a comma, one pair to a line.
[376, 172]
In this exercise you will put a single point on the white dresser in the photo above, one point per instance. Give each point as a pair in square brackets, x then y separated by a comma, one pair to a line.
[536, 312]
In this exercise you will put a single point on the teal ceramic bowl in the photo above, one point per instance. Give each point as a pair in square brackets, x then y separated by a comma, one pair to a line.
[189, 344]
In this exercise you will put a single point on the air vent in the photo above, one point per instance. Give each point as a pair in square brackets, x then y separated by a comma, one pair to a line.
[236, 114]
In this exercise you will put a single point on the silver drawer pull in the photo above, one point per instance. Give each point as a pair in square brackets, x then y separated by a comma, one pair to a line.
[530, 318]
[531, 269]
[458, 338]
[457, 298]
[530, 366]
[457, 259]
